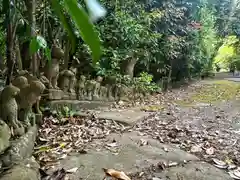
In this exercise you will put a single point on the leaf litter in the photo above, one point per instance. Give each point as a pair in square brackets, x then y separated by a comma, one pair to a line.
[56, 141]
[204, 130]
[199, 128]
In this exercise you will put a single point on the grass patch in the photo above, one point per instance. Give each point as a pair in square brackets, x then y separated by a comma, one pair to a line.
[213, 92]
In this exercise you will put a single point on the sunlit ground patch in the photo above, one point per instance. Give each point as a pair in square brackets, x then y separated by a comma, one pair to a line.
[210, 93]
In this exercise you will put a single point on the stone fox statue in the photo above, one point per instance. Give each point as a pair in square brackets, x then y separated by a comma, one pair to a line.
[9, 109]
[28, 96]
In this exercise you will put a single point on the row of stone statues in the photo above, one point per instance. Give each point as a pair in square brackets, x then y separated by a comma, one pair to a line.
[64, 84]
[87, 89]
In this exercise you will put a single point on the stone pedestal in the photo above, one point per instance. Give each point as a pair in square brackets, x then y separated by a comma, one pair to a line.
[53, 94]
[5, 135]
[69, 96]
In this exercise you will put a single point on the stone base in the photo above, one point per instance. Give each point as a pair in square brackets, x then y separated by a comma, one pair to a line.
[69, 96]
[5, 135]
[53, 94]
[28, 169]
[76, 105]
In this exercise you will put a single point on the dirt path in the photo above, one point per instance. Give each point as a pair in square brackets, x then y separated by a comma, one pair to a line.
[187, 127]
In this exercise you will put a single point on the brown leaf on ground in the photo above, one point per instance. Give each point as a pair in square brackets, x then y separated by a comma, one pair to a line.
[119, 175]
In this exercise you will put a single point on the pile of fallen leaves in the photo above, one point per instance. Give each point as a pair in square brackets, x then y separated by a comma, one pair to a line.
[60, 137]
[194, 131]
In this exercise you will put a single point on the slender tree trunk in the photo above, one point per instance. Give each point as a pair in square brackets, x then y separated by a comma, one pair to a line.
[10, 59]
[129, 66]
[31, 7]
[18, 55]
[9, 44]
[66, 54]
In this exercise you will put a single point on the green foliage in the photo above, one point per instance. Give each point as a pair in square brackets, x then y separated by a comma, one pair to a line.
[85, 27]
[228, 53]
[208, 35]
[203, 43]
[2, 41]
[145, 83]
[82, 22]
[64, 112]
[159, 35]
[127, 33]
[38, 43]
[59, 11]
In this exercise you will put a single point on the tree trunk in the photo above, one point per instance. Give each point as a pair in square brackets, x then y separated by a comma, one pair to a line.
[128, 66]
[18, 53]
[9, 44]
[31, 7]
[10, 59]
[25, 55]
[66, 54]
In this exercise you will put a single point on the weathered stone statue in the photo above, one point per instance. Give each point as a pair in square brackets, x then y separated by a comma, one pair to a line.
[28, 96]
[51, 70]
[5, 135]
[18, 160]
[116, 90]
[103, 93]
[81, 87]
[124, 92]
[67, 80]
[30, 77]
[57, 52]
[73, 80]
[64, 80]
[9, 109]
[21, 82]
[16, 156]
[44, 80]
[110, 83]
[96, 91]
[89, 86]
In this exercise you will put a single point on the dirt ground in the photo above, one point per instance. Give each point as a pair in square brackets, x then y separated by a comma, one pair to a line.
[201, 119]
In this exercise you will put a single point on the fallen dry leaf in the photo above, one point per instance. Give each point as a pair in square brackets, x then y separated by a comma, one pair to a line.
[73, 170]
[220, 164]
[196, 148]
[235, 174]
[210, 151]
[143, 142]
[120, 175]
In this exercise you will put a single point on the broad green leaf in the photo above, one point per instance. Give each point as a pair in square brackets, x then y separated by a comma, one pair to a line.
[86, 28]
[55, 4]
[41, 41]
[34, 46]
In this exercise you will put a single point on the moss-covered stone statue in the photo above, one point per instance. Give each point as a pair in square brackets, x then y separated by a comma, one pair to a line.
[9, 109]
[51, 70]
[81, 90]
